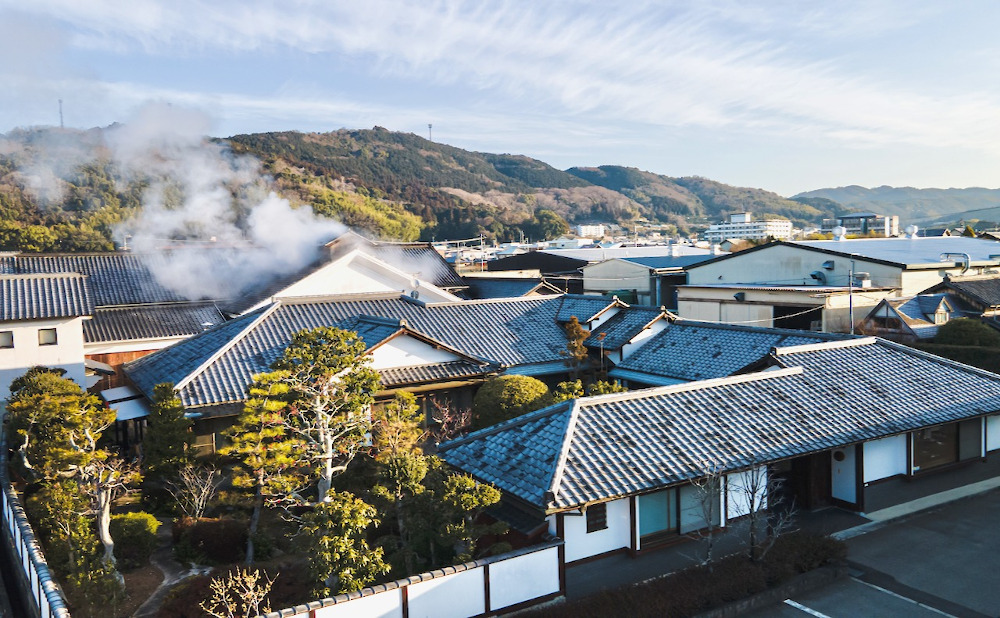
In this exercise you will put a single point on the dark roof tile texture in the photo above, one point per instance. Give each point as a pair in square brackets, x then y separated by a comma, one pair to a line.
[150, 322]
[621, 327]
[830, 395]
[41, 297]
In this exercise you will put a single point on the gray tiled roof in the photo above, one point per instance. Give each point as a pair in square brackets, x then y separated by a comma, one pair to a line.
[584, 307]
[40, 297]
[985, 291]
[430, 265]
[505, 287]
[621, 327]
[691, 350]
[422, 374]
[150, 321]
[828, 395]
[114, 278]
[509, 333]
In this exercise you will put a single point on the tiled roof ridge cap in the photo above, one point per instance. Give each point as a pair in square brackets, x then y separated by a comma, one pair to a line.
[491, 301]
[560, 467]
[556, 408]
[688, 386]
[378, 319]
[320, 298]
[977, 277]
[264, 314]
[70, 274]
[938, 359]
[825, 345]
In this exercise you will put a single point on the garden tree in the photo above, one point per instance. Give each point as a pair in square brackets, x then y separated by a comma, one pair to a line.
[506, 397]
[397, 427]
[193, 488]
[709, 497]
[58, 427]
[399, 481]
[605, 387]
[449, 421]
[573, 389]
[168, 434]
[266, 455]
[330, 392]
[463, 500]
[755, 492]
[239, 594]
[334, 533]
[968, 332]
[577, 357]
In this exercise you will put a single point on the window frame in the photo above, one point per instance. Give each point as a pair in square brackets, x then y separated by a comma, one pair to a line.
[597, 517]
[4, 334]
[55, 337]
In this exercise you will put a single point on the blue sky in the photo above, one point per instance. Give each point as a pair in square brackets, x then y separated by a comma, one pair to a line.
[787, 96]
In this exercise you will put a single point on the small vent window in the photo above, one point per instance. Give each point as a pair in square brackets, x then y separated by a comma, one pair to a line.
[597, 517]
[6, 339]
[47, 336]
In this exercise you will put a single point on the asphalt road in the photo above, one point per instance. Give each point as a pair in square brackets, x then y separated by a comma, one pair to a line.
[943, 561]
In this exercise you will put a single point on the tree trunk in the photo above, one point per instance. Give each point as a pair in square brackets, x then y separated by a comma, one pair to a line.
[104, 526]
[258, 505]
[325, 481]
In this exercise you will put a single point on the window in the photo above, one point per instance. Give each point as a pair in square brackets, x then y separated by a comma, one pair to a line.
[658, 513]
[941, 317]
[945, 444]
[6, 339]
[47, 336]
[597, 517]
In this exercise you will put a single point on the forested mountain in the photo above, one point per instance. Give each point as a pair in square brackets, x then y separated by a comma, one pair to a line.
[60, 190]
[912, 205]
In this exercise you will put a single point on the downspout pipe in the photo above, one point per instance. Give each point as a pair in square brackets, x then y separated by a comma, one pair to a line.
[966, 259]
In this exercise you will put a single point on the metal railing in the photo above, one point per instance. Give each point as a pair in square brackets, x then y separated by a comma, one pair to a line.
[44, 597]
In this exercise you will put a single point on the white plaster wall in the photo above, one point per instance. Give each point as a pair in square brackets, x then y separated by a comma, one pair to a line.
[523, 578]
[885, 458]
[692, 510]
[751, 315]
[739, 495]
[637, 341]
[405, 351]
[458, 595]
[789, 265]
[26, 353]
[613, 275]
[992, 432]
[387, 604]
[710, 311]
[844, 485]
[601, 319]
[579, 544]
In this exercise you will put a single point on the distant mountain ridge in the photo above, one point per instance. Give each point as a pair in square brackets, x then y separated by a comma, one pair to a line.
[911, 204]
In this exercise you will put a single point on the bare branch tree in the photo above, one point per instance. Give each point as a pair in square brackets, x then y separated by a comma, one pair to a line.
[450, 422]
[239, 594]
[756, 493]
[194, 488]
[709, 487]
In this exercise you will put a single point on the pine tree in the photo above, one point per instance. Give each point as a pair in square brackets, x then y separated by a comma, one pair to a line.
[165, 446]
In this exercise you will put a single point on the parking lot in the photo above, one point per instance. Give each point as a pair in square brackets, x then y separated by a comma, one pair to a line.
[943, 561]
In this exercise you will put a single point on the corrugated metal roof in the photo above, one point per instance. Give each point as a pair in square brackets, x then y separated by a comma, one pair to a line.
[150, 321]
[908, 251]
[829, 395]
[41, 297]
[505, 287]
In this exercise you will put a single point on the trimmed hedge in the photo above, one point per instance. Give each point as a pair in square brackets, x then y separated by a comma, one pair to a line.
[698, 589]
[135, 538]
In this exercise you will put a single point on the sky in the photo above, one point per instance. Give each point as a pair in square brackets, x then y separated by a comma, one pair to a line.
[787, 96]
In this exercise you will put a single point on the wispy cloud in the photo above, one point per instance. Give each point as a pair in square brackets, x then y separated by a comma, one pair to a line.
[764, 68]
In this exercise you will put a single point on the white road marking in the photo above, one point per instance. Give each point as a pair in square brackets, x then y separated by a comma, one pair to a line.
[805, 609]
[899, 596]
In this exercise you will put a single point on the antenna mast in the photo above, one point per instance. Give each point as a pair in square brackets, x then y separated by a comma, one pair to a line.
[430, 134]
[60, 115]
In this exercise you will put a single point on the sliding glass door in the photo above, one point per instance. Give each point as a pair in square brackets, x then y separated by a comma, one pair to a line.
[658, 514]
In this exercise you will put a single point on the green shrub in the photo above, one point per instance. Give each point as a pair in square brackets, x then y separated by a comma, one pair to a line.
[135, 538]
[966, 331]
[506, 397]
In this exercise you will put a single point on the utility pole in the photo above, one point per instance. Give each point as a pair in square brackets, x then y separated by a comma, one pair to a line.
[60, 115]
[430, 134]
[850, 296]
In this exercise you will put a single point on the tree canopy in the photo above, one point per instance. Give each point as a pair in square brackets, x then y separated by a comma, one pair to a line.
[506, 397]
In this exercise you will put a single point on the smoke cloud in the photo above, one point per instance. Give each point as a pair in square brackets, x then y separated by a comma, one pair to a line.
[210, 224]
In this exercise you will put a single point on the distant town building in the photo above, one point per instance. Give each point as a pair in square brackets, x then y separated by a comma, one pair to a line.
[591, 230]
[742, 226]
[863, 224]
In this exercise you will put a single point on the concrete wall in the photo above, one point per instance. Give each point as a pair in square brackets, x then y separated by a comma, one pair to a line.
[26, 353]
[844, 482]
[615, 274]
[885, 458]
[636, 342]
[454, 596]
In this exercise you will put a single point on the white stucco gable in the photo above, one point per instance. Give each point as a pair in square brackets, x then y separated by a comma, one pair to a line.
[407, 351]
[359, 273]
